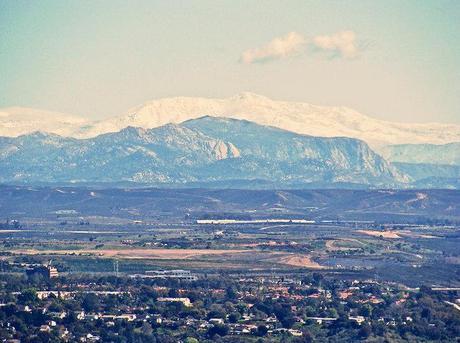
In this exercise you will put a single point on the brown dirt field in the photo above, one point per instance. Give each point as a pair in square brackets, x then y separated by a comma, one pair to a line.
[295, 260]
[299, 261]
[133, 253]
[414, 234]
[384, 234]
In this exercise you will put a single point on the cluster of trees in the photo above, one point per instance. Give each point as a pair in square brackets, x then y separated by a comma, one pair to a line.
[422, 317]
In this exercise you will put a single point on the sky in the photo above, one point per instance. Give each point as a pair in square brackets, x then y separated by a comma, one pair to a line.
[393, 60]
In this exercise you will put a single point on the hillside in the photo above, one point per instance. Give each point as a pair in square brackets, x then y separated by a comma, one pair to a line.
[203, 150]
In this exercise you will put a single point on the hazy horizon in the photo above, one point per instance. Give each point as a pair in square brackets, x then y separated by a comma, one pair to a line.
[389, 60]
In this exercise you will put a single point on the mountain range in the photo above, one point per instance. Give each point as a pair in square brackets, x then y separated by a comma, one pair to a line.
[442, 154]
[194, 141]
[302, 118]
[204, 150]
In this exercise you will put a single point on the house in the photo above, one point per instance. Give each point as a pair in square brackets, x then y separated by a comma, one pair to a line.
[320, 320]
[57, 315]
[216, 321]
[128, 317]
[345, 294]
[185, 301]
[47, 271]
[170, 274]
[296, 333]
[58, 294]
[90, 338]
[45, 328]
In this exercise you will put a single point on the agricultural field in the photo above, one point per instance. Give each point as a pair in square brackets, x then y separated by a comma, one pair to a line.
[250, 266]
[262, 235]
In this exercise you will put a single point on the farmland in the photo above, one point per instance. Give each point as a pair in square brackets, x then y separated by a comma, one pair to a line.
[285, 266]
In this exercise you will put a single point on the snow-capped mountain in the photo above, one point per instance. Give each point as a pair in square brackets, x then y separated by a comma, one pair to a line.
[203, 150]
[15, 121]
[298, 117]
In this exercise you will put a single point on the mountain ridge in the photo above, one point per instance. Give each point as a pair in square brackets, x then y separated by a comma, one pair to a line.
[206, 150]
[441, 154]
[299, 117]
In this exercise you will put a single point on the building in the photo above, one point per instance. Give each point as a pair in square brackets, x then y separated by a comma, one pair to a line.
[128, 317]
[47, 271]
[185, 301]
[171, 274]
[58, 294]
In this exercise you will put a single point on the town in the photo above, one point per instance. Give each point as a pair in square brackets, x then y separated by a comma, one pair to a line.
[290, 275]
[229, 171]
[183, 307]
[161, 268]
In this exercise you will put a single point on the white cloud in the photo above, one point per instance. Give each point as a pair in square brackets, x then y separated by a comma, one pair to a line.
[342, 43]
[279, 47]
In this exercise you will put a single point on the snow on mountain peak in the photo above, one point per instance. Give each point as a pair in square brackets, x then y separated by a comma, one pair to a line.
[15, 121]
[298, 117]
[250, 97]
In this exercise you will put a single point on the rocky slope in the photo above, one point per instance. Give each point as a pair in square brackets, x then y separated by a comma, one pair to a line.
[204, 150]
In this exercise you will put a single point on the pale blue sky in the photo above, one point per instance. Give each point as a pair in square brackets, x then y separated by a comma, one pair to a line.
[100, 58]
